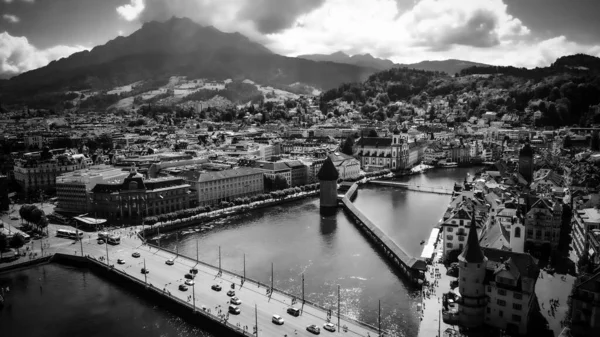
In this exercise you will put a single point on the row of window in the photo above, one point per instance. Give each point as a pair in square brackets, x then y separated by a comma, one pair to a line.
[515, 318]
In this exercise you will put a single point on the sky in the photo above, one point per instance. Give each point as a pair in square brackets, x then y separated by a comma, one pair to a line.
[523, 33]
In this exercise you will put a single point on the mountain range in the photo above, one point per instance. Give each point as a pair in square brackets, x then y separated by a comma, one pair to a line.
[182, 47]
[450, 67]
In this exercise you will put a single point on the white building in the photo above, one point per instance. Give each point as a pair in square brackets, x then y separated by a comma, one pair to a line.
[215, 187]
[72, 188]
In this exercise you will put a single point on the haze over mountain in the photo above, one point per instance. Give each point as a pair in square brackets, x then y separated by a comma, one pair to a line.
[178, 46]
[451, 66]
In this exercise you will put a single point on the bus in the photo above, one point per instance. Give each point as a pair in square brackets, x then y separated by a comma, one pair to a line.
[114, 239]
[103, 235]
[65, 233]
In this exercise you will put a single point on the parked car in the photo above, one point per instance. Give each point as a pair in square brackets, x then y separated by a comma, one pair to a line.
[314, 329]
[293, 311]
[234, 309]
[183, 287]
[235, 300]
[231, 293]
[193, 271]
[170, 262]
[145, 271]
[136, 254]
[189, 282]
[216, 287]
[189, 276]
[121, 261]
[329, 327]
[277, 320]
[101, 241]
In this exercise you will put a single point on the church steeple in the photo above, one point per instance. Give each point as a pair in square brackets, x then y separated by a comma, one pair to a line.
[472, 252]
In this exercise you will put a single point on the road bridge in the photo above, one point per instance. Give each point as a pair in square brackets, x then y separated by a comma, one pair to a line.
[415, 187]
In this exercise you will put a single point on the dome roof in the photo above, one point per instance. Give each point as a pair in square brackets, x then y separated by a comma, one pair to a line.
[396, 131]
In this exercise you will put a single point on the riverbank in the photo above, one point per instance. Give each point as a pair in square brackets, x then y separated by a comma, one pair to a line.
[169, 226]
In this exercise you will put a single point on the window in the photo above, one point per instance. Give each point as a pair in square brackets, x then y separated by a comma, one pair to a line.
[489, 289]
[449, 229]
[517, 296]
[517, 232]
[449, 237]
[501, 313]
[502, 292]
[517, 306]
[488, 310]
[449, 245]
[501, 303]
[516, 318]
[464, 279]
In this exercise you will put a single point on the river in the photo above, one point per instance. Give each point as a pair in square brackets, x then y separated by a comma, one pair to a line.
[295, 239]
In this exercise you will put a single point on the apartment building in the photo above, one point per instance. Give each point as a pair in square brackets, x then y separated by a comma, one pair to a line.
[33, 173]
[542, 224]
[584, 222]
[214, 187]
[585, 305]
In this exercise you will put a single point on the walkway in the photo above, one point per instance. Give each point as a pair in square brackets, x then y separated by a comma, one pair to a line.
[412, 267]
[415, 187]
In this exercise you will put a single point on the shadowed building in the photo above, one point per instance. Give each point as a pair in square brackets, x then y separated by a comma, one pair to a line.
[526, 162]
[4, 202]
[328, 176]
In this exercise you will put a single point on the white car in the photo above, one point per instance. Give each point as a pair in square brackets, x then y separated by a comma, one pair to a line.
[170, 262]
[329, 327]
[277, 320]
[189, 282]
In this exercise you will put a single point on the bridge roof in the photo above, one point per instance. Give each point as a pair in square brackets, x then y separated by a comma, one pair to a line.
[408, 260]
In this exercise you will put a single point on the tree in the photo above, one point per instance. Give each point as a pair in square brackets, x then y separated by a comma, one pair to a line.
[373, 133]
[567, 142]
[347, 146]
[210, 128]
[17, 241]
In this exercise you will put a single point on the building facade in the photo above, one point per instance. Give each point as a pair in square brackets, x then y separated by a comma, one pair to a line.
[526, 162]
[136, 197]
[585, 305]
[543, 224]
[33, 173]
[214, 187]
[73, 188]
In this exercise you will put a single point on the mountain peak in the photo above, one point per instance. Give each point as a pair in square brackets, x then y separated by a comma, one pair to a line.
[339, 54]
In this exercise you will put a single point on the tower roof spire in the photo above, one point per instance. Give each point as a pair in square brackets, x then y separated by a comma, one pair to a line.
[472, 252]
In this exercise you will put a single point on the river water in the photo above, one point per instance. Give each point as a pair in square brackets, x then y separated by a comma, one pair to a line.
[294, 239]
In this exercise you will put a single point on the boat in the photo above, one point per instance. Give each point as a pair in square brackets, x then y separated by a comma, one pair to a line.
[449, 164]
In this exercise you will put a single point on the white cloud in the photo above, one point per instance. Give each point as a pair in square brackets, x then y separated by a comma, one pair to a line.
[10, 1]
[475, 30]
[11, 18]
[132, 10]
[17, 55]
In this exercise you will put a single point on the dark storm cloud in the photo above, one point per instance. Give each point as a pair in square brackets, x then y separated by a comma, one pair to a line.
[272, 16]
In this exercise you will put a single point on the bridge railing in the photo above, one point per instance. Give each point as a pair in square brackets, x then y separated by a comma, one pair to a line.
[266, 286]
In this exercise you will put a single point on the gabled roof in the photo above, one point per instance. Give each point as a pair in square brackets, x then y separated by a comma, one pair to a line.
[328, 172]
[525, 263]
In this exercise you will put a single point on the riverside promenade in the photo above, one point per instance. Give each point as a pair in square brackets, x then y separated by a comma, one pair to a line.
[414, 187]
[167, 278]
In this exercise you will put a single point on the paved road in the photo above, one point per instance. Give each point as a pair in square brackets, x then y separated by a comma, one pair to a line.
[163, 276]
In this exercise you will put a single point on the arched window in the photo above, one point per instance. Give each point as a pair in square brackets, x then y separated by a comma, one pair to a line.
[133, 185]
[517, 232]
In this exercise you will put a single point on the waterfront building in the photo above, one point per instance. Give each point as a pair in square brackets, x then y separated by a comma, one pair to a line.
[34, 173]
[395, 153]
[328, 176]
[136, 198]
[274, 169]
[313, 166]
[214, 187]
[73, 188]
[347, 166]
[299, 172]
[585, 305]
[457, 222]
[526, 162]
[543, 224]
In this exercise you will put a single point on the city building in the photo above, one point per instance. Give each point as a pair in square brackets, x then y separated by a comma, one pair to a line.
[347, 166]
[4, 201]
[543, 224]
[214, 187]
[299, 172]
[273, 169]
[394, 153]
[585, 222]
[585, 305]
[136, 198]
[34, 173]
[497, 287]
[73, 188]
